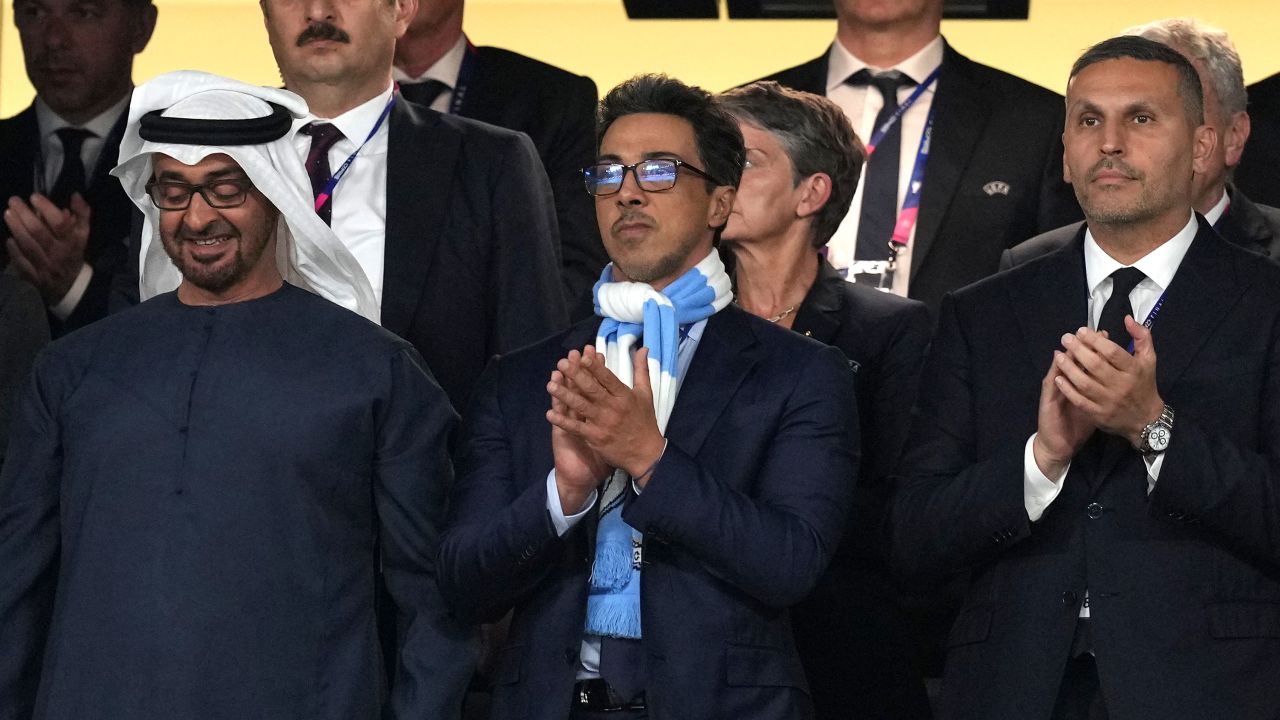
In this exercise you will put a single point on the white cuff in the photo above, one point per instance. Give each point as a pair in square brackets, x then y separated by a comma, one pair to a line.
[68, 303]
[563, 522]
[1038, 491]
[1154, 463]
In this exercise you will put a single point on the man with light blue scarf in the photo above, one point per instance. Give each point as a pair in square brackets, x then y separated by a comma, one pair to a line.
[651, 491]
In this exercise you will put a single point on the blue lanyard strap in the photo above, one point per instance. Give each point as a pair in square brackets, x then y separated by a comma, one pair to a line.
[910, 212]
[329, 187]
[890, 121]
[1151, 316]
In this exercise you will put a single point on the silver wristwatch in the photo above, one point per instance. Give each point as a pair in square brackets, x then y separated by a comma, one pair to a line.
[1157, 434]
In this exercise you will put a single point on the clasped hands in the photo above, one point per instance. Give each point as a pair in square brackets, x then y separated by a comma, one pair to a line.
[1094, 384]
[598, 424]
[47, 244]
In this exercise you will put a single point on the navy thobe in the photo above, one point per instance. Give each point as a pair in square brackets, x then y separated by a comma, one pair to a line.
[194, 509]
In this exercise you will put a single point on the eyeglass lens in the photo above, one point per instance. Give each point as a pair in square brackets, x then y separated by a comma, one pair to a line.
[651, 175]
[173, 195]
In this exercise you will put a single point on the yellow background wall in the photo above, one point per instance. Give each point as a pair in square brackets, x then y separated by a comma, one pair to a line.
[594, 37]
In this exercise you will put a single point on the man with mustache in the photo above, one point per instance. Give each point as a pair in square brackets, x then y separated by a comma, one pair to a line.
[1097, 443]
[1236, 218]
[65, 225]
[689, 482]
[202, 490]
[452, 221]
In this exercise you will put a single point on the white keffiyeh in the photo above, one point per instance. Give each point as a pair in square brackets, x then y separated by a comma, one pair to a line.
[308, 253]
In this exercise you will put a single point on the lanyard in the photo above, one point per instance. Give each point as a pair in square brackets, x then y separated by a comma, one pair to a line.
[910, 212]
[892, 120]
[1151, 316]
[465, 71]
[329, 187]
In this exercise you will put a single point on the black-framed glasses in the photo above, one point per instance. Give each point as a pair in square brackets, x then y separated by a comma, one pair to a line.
[654, 175]
[221, 193]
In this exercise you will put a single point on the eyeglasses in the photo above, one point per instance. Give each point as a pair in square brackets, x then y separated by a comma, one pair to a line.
[176, 195]
[651, 175]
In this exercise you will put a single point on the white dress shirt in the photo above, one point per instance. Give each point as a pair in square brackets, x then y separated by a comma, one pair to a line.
[50, 123]
[589, 653]
[1159, 266]
[1219, 208]
[861, 104]
[446, 70]
[359, 213]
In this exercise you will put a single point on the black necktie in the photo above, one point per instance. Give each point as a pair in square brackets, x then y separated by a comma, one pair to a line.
[880, 194]
[323, 136]
[423, 93]
[1123, 281]
[71, 177]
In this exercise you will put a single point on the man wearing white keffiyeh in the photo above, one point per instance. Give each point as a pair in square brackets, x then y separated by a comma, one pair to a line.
[703, 478]
[202, 491]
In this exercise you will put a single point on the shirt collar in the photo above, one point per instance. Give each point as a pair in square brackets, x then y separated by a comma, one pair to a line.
[446, 69]
[1219, 208]
[50, 122]
[1159, 265]
[356, 123]
[841, 63]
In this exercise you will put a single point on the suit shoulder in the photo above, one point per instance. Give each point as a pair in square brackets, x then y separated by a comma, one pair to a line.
[530, 70]
[480, 133]
[23, 121]
[807, 76]
[1266, 91]
[1044, 243]
[1023, 91]
[877, 306]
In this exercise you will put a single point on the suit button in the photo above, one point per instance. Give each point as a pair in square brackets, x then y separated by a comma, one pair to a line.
[570, 655]
[1094, 511]
[1069, 598]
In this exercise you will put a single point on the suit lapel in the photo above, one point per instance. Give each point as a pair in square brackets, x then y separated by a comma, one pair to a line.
[727, 352]
[960, 110]
[1052, 300]
[110, 155]
[421, 155]
[484, 97]
[1205, 288]
[819, 314]
[1243, 224]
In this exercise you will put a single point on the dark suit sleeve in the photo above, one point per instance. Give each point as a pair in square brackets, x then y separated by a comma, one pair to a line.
[437, 653]
[1227, 484]
[528, 299]
[896, 388]
[23, 331]
[951, 507]
[582, 252]
[29, 541]
[775, 542]
[501, 539]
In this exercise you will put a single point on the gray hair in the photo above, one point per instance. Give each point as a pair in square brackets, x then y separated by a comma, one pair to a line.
[1211, 46]
[816, 136]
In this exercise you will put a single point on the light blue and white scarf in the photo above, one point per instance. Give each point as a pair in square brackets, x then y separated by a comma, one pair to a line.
[633, 311]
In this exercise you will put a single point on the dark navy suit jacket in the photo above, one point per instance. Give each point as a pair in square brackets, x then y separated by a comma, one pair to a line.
[739, 519]
[1184, 582]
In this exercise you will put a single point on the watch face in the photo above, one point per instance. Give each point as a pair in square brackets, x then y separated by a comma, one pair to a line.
[1158, 439]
